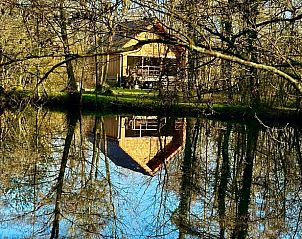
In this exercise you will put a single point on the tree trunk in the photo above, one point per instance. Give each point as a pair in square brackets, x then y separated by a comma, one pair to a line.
[250, 15]
[188, 176]
[72, 118]
[224, 178]
[71, 83]
[241, 223]
[227, 28]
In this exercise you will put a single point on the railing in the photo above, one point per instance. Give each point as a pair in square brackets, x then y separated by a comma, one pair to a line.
[141, 124]
[147, 124]
[149, 75]
[146, 71]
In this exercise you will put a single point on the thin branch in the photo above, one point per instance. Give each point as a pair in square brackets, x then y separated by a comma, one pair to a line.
[261, 24]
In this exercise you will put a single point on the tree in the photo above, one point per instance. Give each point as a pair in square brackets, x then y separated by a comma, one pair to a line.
[245, 36]
[240, 43]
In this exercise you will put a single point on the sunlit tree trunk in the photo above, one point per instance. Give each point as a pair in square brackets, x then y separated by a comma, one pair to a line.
[71, 83]
[110, 17]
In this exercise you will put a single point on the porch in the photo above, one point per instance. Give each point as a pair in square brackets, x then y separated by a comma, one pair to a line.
[147, 72]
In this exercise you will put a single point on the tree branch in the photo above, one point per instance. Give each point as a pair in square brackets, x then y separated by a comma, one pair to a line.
[261, 24]
[190, 45]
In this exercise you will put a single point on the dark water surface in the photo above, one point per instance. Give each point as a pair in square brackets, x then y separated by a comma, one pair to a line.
[73, 176]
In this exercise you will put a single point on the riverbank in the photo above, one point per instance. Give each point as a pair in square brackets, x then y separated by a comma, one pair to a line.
[148, 102]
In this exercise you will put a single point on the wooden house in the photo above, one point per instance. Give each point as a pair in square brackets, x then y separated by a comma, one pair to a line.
[134, 142]
[146, 66]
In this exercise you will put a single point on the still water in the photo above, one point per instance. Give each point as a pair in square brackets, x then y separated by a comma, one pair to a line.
[130, 176]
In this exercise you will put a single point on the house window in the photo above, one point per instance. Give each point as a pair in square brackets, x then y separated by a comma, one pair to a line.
[151, 61]
[134, 61]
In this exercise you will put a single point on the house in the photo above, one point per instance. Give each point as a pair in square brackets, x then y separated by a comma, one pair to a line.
[147, 66]
[134, 142]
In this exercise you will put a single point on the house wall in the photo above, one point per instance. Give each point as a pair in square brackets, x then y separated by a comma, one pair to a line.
[152, 49]
[148, 50]
[143, 149]
[117, 65]
[111, 126]
[114, 67]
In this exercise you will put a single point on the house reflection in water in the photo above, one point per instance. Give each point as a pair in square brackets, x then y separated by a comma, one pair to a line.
[143, 143]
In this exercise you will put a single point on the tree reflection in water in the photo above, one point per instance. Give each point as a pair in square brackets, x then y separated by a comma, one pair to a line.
[89, 177]
[72, 118]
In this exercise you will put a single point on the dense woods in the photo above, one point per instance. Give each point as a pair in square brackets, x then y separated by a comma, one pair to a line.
[237, 51]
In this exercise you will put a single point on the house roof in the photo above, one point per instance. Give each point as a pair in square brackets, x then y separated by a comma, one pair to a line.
[128, 30]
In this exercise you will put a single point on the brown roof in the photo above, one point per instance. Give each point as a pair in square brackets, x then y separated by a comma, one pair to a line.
[128, 30]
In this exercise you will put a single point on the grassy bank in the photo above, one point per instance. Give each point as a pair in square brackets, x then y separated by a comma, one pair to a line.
[148, 102]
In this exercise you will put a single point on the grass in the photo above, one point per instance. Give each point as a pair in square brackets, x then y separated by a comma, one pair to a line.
[131, 92]
[115, 98]
[147, 102]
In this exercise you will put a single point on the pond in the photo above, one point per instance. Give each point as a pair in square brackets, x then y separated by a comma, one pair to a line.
[67, 175]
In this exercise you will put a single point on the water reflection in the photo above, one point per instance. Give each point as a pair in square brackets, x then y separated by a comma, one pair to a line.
[89, 177]
[143, 143]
